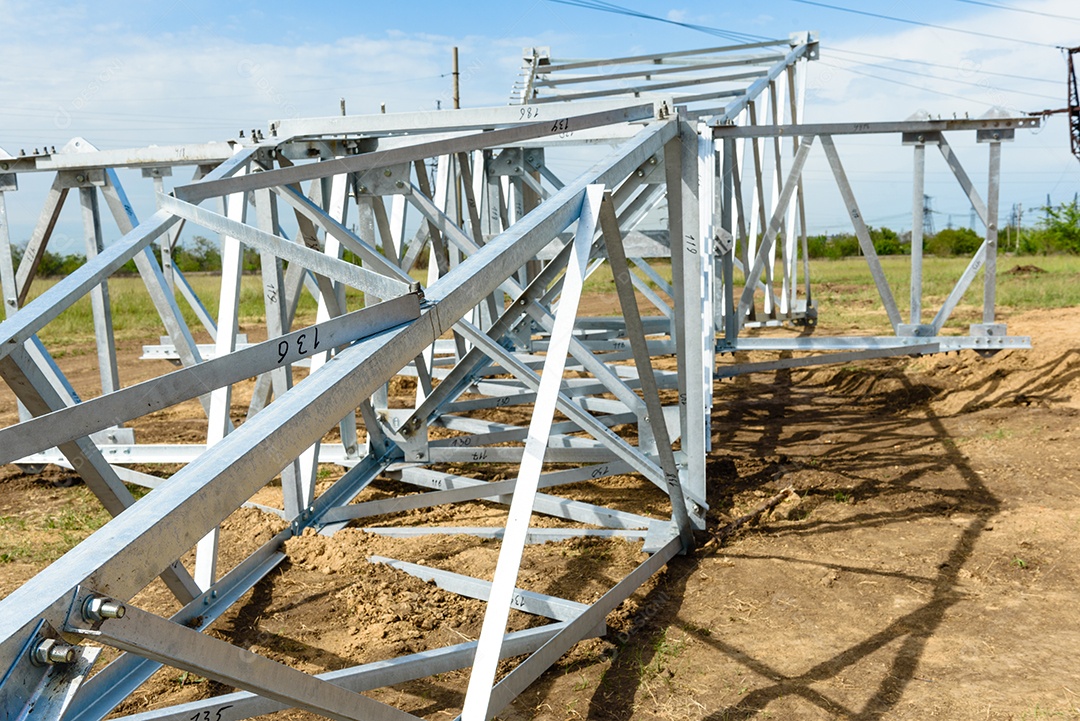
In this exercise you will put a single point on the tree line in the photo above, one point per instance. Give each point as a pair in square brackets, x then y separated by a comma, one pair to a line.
[1057, 232]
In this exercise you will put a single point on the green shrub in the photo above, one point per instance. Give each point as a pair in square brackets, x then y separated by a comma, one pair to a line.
[1062, 227]
[842, 245]
[817, 246]
[954, 241]
[886, 241]
[199, 255]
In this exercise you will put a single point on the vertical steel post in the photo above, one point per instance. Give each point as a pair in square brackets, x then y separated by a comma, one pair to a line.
[990, 268]
[727, 258]
[681, 157]
[99, 296]
[219, 422]
[10, 298]
[918, 208]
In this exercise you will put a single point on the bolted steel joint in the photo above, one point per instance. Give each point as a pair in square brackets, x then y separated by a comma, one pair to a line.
[50, 651]
[98, 608]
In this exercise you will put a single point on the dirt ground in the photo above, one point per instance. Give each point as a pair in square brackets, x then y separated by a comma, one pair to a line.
[927, 568]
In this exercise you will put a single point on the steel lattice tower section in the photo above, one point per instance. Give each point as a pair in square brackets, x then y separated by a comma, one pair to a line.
[511, 241]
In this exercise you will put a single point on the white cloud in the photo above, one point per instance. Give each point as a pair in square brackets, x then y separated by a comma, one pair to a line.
[868, 79]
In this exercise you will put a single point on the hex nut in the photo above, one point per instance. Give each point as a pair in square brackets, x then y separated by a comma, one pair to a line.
[51, 651]
[98, 608]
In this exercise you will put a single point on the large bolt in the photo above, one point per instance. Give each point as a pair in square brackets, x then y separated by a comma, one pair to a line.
[98, 608]
[50, 651]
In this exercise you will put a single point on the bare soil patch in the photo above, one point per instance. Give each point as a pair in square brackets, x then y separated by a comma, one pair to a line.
[927, 568]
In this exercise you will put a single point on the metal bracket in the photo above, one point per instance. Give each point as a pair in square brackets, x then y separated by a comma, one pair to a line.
[915, 330]
[391, 180]
[813, 45]
[534, 159]
[413, 441]
[724, 241]
[995, 135]
[920, 138]
[88, 178]
[987, 330]
[509, 162]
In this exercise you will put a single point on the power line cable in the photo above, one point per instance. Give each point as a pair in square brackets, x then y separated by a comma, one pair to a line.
[609, 7]
[943, 66]
[918, 23]
[910, 85]
[950, 80]
[996, 6]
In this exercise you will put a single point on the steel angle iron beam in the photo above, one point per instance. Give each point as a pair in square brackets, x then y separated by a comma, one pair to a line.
[122, 557]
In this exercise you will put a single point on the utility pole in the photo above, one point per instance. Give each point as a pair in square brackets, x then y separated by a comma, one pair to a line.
[457, 79]
[454, 170]
[1010, 226]
[1019, 225]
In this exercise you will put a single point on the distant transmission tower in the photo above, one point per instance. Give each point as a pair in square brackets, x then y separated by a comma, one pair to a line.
[927, 216]
[1074, 104]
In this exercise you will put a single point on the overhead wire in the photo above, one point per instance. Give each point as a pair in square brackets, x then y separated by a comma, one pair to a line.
[919, 87]
[943, 66]
[610, 7]
[948, 80]
[919, 23]
[998, 6]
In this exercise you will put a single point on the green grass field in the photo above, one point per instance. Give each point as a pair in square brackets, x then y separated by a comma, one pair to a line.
[843, 291]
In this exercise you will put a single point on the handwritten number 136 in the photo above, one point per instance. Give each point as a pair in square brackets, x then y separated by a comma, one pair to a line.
[302, 346]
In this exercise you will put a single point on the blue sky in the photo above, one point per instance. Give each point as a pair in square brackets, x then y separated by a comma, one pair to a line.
[127, 74]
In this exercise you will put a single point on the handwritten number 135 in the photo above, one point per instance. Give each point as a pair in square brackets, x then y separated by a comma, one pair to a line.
[206, 716]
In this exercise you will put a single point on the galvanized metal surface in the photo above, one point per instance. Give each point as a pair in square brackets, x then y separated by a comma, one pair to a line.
[511, 242]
